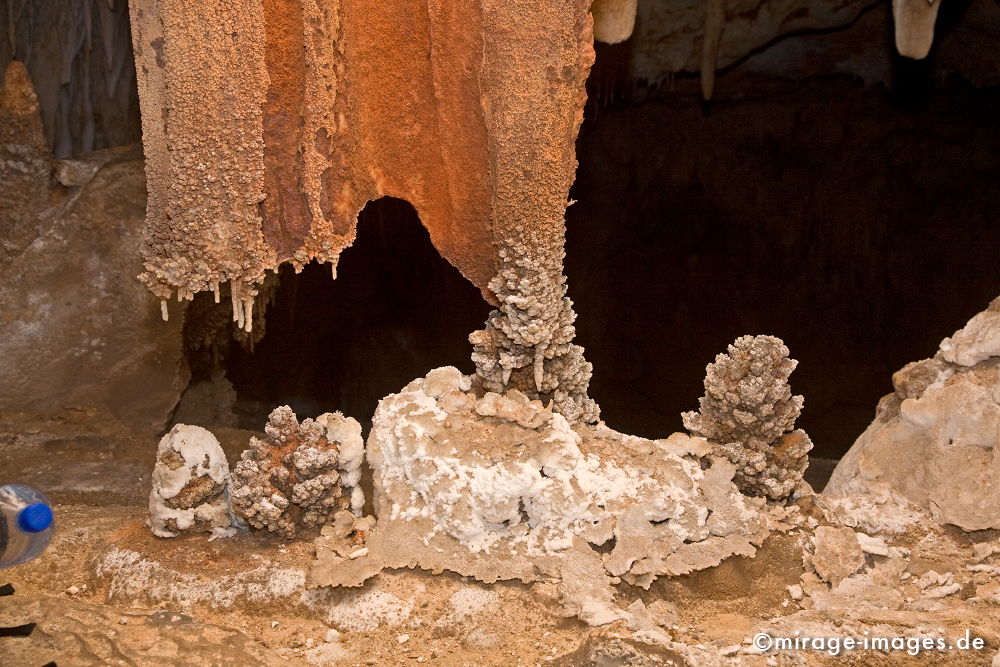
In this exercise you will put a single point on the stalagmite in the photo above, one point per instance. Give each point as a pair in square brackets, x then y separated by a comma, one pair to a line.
[915, 26]
[191, 486]
[614, 20]
[715, 20]
[23, 150]
[748, 410]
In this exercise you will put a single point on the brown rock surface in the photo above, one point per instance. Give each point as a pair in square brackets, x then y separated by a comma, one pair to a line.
[76, 327]
[268, 126]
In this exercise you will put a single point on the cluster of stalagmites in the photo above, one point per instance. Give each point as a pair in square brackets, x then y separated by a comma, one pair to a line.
[300, 477]
[294, 480]
[527, 344]
[749, 410]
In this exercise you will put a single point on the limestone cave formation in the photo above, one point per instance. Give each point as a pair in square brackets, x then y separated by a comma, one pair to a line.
[580, 332]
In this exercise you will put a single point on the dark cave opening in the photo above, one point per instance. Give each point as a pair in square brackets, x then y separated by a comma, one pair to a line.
[396, 310]
[855, 222]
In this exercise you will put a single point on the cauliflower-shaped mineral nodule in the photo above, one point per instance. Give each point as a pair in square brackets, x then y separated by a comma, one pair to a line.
[749, 410]
[299, 475]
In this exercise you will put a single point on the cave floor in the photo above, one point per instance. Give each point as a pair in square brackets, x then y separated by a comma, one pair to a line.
[107, 592]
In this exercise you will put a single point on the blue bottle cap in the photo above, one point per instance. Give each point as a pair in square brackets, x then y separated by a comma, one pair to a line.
[34, 518]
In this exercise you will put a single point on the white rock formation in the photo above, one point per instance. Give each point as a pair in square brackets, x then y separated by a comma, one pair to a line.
[497, 486]
[977, 341]
[936, 441]
[190, 485]
[531, 481]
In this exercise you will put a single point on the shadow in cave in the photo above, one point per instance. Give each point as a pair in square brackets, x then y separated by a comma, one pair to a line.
[860, 232]
[396, 310]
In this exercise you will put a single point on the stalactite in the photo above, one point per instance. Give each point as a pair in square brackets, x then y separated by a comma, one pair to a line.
[715, 21]
[614, 20]
[915, 21]
[269, 125]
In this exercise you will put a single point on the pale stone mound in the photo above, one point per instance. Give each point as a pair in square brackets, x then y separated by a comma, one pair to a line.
[501, 487]
[190, 485]
[300, 475]
[936, 440]
[837, 553]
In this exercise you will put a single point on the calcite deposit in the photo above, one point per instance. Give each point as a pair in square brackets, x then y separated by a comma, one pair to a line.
[510, 525]
[915, 21]
[614, 20]
[277, 121]
[191, 485]
[749, 410]
[836, 553]
[936, 439]
[499, 486]
[299, 475]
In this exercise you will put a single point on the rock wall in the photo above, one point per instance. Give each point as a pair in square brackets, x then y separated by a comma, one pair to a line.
[670, 35]
[76, 327]
[685, 36]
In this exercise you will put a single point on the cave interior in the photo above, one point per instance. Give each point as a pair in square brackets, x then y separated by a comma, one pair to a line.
[796, 177]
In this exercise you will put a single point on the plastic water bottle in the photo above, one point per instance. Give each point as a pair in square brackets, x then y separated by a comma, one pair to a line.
[25, 524]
